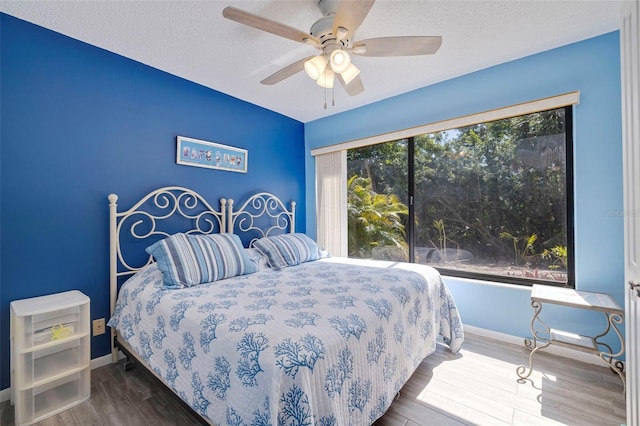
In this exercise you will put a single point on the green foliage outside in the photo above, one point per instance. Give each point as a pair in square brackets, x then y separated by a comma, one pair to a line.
[558, 255]
[374, 219]
[522, 247]
[499, 189]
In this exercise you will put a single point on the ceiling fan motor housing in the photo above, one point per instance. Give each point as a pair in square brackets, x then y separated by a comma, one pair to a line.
[322, 29]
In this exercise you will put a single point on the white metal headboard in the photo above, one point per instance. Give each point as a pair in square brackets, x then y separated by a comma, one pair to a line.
[144, 219]
[263, 214]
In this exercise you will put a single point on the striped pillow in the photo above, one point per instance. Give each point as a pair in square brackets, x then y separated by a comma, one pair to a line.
[187, 260]
[288, 250]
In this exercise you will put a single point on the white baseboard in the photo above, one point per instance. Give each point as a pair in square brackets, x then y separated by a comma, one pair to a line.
[5, 394]
[100, 361]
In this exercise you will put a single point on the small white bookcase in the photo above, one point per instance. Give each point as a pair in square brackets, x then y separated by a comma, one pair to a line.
[50, 355]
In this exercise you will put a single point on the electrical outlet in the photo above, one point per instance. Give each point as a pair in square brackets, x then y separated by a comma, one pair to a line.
[98, 327]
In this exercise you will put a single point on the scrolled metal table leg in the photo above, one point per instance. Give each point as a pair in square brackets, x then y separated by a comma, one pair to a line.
[521, 371]
[609, 358]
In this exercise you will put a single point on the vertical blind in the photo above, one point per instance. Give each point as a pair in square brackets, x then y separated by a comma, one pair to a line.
[331, 201]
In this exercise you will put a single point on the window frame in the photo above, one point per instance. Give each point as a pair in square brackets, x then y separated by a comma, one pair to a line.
[567, 101]
[569, 186]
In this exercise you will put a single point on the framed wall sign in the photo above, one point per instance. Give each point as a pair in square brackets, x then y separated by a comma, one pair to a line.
[197, 153]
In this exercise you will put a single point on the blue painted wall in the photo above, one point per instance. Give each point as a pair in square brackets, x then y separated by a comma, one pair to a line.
[79, 123]
[592, 67]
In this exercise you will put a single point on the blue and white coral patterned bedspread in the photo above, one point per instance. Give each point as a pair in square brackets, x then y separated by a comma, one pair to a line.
[328, 342]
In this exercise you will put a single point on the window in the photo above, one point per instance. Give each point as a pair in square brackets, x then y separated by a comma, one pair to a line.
[377, 190]
[491, 200]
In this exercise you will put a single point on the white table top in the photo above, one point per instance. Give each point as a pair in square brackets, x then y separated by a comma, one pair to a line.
[576, 299]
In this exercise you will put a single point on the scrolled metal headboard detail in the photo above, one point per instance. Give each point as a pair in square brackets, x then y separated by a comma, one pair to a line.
[145, 219]
[264, 214]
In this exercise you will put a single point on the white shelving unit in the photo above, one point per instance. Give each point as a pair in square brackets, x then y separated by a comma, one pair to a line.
[50, 355]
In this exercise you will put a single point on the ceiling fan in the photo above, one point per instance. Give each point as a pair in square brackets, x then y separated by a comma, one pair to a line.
[332, 35]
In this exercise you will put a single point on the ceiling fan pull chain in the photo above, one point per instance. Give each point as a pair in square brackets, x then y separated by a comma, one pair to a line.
[333, 96]
[325, 97]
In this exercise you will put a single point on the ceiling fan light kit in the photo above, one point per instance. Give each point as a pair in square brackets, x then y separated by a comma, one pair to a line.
[326, 79]
[332, 35]
[339, 60]
[315, 66]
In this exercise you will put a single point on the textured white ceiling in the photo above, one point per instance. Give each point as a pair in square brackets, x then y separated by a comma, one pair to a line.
[192, 40]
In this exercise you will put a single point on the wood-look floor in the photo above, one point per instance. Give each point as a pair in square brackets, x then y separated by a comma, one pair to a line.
[478, 386]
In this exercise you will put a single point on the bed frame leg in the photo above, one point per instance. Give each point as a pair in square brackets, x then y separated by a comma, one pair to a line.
[129, 364]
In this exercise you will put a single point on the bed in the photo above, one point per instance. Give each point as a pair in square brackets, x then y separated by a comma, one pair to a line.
[302, 339]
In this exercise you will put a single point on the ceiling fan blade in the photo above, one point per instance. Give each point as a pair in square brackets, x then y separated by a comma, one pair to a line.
[350, 15]
[286, 72]
[268, 25]
[355, 87]
[397, 46]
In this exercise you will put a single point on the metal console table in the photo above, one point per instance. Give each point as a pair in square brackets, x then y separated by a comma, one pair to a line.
[576, 299]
